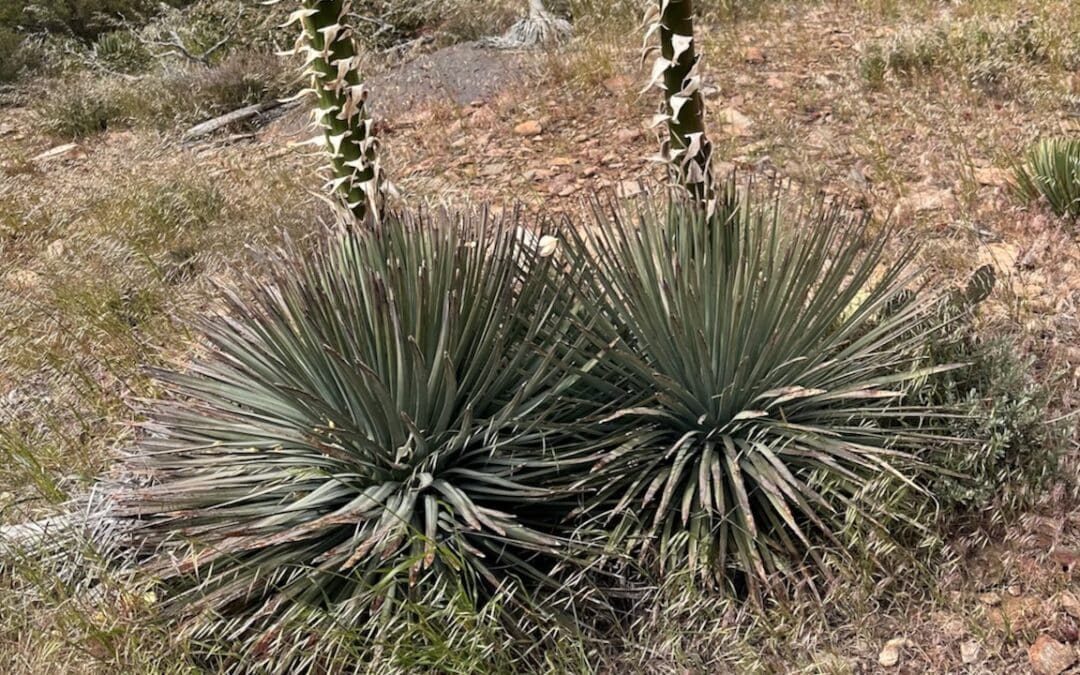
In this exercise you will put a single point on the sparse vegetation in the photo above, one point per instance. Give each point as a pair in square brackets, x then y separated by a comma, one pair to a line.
[88, 104]
[983, 50]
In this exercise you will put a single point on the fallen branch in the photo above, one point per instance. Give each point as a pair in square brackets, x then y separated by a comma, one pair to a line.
[210, 126]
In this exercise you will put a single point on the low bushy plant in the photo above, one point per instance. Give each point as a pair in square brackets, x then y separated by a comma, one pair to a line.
[120, 52]
[1010, 450]
[981, 49]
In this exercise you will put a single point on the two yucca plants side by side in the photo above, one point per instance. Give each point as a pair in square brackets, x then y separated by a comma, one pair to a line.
[434, 417]
[430, 423]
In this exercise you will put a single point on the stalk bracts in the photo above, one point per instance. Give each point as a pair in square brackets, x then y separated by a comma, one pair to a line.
[331, 61]
[685, 148]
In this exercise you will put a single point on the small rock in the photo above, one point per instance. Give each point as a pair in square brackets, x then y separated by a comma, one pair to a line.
[890, 653]
[925, 201]
[562, 185]
[992, 175]
[563, 161]
[66, 151]
[754, 55]
[548, 246]
[1070, 603]
[22, 280]
[627, 135]
[969, 652]
[56, 249]
[6, 129]
[1002, 255]
[1068, 558]
[735, 123]
[493, 170]
[1015, 613]
[990, 599]
[1050, 657]
[774, 82]
[629, 188]
[856, 178]
[618, 84]
[528, 129]
[590, 171]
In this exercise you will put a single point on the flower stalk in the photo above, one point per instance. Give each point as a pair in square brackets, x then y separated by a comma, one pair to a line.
[685, 148]
[331, 62]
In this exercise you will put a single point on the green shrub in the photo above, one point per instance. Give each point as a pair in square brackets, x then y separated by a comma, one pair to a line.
[982, 50]
[82, 105]
[85, 19]
[199, 93]
[223, 28]
[1009, 449]
[1052, 172]
[364, 450]
[10, 47]
[766, 359]
[119, 51]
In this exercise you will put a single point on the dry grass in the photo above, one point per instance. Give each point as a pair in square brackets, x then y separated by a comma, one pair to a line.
[103, 258]
[86, 104]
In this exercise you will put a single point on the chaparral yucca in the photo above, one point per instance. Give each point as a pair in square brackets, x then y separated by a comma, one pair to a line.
[765, 353]
[1052, 172]
[369, 437]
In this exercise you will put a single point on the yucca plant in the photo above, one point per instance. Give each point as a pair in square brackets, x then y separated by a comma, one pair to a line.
[1052, 172]
[538, 27]
[371, 436]
[765, 362]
